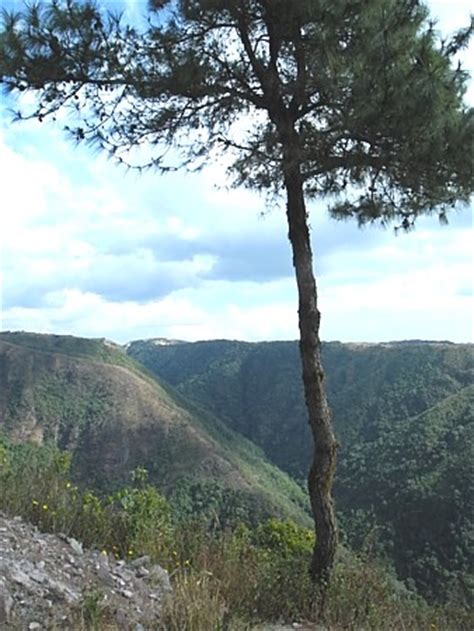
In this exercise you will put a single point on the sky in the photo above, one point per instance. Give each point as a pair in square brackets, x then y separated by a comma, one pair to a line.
[92, 250]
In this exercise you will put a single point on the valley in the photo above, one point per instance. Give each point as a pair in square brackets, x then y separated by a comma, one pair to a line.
[220, 428]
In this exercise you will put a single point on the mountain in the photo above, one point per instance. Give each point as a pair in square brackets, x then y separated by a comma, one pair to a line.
[89, 398]
[403, 414]
[256, 387]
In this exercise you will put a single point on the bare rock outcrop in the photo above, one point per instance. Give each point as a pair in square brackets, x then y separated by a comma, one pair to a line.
[50, 582]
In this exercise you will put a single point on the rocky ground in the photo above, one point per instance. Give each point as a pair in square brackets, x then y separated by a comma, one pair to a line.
[50, 582]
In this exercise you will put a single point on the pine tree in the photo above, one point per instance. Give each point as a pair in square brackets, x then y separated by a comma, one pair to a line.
[358, 102]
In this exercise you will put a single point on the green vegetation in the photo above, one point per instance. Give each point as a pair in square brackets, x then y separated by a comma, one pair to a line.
[403, 414]
[36, 483]
[123, 419]
[223, 578]
[414, 486]
[256, 388]
[99, 349]
[93, 611]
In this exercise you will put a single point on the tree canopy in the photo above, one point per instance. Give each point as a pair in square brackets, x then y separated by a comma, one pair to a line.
[369, 87]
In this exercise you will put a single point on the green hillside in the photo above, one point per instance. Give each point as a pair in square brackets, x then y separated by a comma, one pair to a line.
[99, 349]
[257, 388]
[403, 413]
[95, 402]
[414, 487]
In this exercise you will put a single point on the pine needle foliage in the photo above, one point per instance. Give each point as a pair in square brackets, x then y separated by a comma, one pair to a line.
[370, 87]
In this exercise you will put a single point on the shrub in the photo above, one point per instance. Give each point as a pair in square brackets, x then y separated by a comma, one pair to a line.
[223, 579]
[35, 484]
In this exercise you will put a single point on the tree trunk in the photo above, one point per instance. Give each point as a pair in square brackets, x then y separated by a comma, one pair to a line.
[320, 478]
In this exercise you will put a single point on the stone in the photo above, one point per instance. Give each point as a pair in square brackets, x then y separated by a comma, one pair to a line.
[6, 603]
[140, 561]
[105, 577]
[44, 577]
[38, 576]
[160, 577]
[18, 576]
[75, 545]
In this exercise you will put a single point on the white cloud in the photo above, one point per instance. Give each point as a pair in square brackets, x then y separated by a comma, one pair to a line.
[176, 316]
[425, 303]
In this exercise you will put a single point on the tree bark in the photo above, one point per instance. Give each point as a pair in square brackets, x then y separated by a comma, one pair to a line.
[321, 474]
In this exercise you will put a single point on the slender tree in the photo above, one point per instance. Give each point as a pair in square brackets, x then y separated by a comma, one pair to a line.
[355, 101]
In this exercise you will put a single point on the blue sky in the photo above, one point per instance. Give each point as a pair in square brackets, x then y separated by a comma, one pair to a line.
[88, 249]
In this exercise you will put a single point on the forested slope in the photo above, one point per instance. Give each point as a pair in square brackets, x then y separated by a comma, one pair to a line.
[257, 387]
[413, 488]
[404, 417]
[89, 398]
[403, 413]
